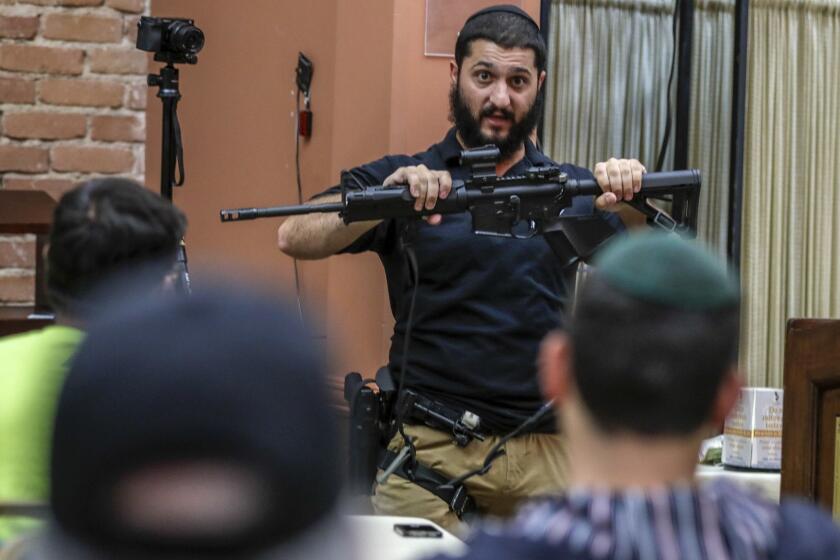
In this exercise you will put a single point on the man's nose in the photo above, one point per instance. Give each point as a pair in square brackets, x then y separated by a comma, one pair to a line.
[500, 97]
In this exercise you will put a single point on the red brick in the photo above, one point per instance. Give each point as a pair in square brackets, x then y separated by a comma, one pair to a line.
[87, 159]
[53, 186]
[118, 128]
[62, 2]
[87, 28]
[17, 286]
[17, 90]
[17, 252]
[87, 93]
[137, 96]
[18, 27]
[118, 61]
[46, 126]
[130, 28]
[132, 6]
[53, 60]
[28, 159]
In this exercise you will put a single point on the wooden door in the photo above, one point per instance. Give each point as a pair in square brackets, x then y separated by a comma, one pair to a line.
[812, 411]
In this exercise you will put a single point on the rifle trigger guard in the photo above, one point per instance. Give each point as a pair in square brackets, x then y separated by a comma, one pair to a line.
[531, 232]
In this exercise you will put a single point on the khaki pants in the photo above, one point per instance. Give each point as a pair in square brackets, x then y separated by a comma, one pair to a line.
[533, 465]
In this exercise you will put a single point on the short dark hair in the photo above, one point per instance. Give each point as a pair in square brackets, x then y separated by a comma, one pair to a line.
[506, 29]
[101, 227]
[647, 368]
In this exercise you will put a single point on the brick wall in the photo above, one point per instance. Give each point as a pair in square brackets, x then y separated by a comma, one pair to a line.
[72, 106]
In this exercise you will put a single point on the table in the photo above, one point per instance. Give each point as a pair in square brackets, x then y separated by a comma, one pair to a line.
[377, 539]
[766, 483]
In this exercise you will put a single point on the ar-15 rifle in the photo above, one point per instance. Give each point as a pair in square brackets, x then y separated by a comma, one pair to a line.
[511, 206]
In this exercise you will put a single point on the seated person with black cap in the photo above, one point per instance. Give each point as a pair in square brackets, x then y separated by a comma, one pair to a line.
[647, 365]
[195, 428]
[101, 228]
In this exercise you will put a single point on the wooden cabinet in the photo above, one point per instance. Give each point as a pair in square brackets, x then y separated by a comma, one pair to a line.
[811, 424]
[27, 212]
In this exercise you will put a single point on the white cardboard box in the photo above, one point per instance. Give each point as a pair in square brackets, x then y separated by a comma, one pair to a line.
[753, 431]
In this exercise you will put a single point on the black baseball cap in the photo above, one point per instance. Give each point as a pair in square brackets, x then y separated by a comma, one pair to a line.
[223, 377]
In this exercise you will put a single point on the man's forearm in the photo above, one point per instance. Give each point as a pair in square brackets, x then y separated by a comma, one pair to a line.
[317, 236]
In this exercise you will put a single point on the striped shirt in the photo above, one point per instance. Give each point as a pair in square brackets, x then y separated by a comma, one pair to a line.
[717, 521]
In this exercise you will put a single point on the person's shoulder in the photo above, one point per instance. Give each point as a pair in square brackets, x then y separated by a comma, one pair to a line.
[573, 171]
[22, 342]
[36, 344]
[523, 537]
[376, 171]
[806, 532]
[389, 163]
[576, 171]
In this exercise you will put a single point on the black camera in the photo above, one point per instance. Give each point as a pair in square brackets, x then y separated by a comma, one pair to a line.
[175, 40]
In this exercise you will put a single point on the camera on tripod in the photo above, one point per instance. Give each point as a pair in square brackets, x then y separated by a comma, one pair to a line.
[173, 40]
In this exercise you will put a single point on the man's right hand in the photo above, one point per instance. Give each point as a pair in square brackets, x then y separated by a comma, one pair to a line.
[425, 185]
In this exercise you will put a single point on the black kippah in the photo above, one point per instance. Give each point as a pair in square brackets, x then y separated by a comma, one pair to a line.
[503, 8]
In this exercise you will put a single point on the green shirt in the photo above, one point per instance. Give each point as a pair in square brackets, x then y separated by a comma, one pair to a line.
[32, 370]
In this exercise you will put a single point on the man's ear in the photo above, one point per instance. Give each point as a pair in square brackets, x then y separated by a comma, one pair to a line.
[453, 72]
[541, 80]
[728, 393]
[555, 366]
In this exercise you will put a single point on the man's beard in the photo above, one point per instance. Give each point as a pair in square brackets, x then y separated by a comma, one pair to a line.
[469, 127]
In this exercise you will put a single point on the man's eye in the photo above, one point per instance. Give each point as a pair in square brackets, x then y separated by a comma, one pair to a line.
[519, 81]
[483, 76]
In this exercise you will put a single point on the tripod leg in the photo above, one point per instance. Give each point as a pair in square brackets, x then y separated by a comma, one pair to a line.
[182, 284]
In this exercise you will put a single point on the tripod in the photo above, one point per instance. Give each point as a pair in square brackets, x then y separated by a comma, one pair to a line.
[172, 153]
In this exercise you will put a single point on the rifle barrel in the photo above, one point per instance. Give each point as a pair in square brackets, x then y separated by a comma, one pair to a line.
[374, 202]
[237, 214]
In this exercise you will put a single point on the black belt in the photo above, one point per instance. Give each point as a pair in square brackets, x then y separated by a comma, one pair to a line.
[456, 497]
[462, 424]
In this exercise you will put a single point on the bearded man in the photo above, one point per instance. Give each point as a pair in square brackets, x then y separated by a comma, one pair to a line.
[482, 304]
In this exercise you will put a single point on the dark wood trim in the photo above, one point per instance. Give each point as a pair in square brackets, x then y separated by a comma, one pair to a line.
[683, 105]
[25, 211]
[14, 319]
[736, 149]
[545, 20]
[682, 125]
[812, 392]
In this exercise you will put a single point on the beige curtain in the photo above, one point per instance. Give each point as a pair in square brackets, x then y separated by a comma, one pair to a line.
[711, 115]
[606, 93]
[608, 67]
[791, 234]
[607, 74]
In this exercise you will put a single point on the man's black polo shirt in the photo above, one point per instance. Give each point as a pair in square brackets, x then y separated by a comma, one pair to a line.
[483, 304]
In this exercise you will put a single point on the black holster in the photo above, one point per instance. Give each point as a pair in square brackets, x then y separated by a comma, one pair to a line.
[369, 429]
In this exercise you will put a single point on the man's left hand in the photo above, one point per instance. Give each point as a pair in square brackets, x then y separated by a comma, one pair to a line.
[619, 179]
